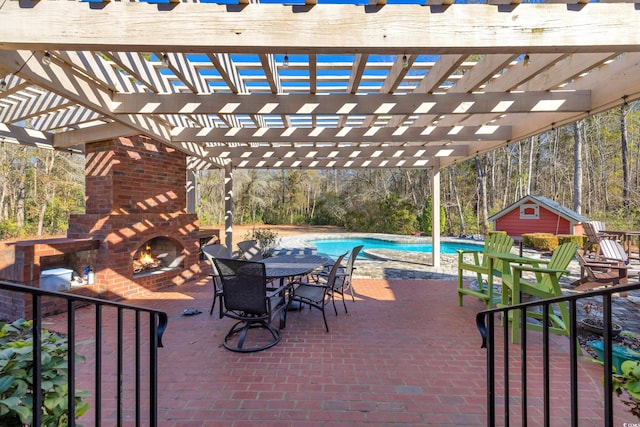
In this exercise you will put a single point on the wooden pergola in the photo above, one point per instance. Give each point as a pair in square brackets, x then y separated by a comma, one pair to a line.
[312, 85]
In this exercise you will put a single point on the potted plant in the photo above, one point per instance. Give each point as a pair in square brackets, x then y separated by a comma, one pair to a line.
[593, 322]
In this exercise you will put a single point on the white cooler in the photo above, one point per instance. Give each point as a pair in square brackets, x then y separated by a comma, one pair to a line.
[55, 279]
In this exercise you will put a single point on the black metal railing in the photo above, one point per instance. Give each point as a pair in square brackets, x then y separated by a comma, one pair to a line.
[486, 323]
[130, 345]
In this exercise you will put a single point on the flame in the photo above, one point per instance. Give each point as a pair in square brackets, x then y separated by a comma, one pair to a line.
[145, 257]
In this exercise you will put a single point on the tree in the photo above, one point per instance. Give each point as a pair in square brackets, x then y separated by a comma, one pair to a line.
[577, 174]
[624, 147]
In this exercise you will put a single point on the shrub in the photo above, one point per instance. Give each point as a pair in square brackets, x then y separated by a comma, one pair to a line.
[540, 241]
[16, 382]
[566, 238]
[426, 218]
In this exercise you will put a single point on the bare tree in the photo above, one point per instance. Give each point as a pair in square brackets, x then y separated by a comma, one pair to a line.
[482, 195]
[577, 167]
[454, 190]
[626, 191]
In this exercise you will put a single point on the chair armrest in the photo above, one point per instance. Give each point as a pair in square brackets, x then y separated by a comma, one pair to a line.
[273, 292]
[539, 269]
[469, 251]
[309, 284]
[338, 274]
[607, 259]
[604, 264]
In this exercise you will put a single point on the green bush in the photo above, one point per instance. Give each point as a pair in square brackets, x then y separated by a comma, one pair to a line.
[391, 215]
[578, 240]
[426, 218]
[540, 241]
[16, 382]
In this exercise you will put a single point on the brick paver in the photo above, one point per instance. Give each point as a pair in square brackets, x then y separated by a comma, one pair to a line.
[405, 355]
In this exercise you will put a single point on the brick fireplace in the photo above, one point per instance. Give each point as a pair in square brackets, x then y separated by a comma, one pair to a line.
[135, 201]
[135, 196]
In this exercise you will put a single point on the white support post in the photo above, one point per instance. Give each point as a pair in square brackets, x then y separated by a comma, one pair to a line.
[228, 207]
[191, 191]
[435, 226]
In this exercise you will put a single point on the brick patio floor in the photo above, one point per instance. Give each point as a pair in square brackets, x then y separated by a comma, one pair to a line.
[405, 355]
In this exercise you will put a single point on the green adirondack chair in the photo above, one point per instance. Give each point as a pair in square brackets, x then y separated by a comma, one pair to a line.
[478, 262]
[544, 285]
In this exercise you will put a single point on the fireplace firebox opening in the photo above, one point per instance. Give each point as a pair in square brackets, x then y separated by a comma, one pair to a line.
[158, 254]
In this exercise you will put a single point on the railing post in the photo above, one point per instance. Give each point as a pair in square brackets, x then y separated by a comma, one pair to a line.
[608, 360]
[36, 331]
[71, 362]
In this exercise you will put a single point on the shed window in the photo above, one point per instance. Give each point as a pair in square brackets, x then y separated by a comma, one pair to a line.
[529, 212]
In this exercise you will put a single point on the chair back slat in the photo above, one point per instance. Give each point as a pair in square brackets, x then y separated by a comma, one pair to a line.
[560, 260]
[331, 279]
[494, 244]
[598, 226]
[613, 250]
[352, 259]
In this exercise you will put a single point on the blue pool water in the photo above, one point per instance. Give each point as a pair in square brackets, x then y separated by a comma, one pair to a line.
[336, 247]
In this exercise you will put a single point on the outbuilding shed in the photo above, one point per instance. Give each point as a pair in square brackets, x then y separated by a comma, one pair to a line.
[537, 214]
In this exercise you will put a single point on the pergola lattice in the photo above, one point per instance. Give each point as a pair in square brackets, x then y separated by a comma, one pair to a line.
[380, 85]
[312, 85]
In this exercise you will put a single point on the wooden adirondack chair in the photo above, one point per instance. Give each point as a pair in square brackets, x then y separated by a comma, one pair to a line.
[478, 262]
[599, 273]
[544, 285]
[595, 232]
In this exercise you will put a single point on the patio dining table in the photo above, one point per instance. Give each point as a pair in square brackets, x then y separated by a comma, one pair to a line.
[287, 266]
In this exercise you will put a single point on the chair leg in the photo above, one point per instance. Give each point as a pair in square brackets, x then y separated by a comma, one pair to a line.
[213, 304]
[460, 286]
[243, 328]
[344, 304]
[326, 326]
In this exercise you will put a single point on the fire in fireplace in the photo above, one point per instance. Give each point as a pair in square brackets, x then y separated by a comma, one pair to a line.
[145, 261]
[159, 253]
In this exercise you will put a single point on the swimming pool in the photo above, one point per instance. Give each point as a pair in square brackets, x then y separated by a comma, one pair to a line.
[336, 247]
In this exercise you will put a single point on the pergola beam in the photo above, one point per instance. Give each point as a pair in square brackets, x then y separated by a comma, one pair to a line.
[335, 153]
[340, 163]
[409, 29]
[334, 135]
[347, 104]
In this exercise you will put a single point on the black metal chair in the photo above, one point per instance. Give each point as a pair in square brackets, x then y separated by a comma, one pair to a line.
[212, 252]
[343, 278]
[318, 294]
[250, 250]
[247, 299]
